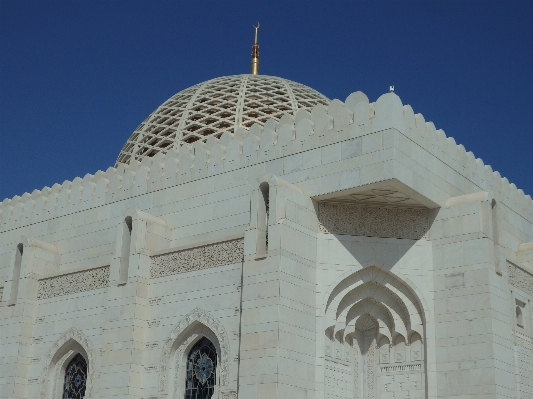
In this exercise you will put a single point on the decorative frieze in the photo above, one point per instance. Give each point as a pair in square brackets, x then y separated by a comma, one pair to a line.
[373, 221]
[402, 368]
[520, 278]
[205, 257]
[85, 280]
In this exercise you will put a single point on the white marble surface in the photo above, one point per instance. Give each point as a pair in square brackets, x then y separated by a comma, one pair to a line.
[268, 313]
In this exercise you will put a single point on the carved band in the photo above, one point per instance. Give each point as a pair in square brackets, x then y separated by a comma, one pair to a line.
[86, 280]
[219, 254]
[520, 279]
[373, 221]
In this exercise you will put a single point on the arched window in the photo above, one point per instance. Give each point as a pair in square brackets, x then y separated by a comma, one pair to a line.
[16, 274]
[201, 370]
[519, 316]
[262, 220]
[75, 378]
[127, 227]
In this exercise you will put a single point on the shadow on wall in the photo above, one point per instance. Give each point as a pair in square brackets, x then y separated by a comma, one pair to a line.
[373, 234]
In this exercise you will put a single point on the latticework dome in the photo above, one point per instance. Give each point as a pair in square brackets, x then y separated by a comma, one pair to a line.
[214, 107]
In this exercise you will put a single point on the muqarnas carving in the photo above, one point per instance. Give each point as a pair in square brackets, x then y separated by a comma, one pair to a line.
[219, 254]
[373, 221]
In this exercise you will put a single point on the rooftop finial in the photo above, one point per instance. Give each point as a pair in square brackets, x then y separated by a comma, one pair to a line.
[255, 54]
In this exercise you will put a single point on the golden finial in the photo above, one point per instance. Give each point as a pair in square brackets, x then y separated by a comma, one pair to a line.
[255, 54]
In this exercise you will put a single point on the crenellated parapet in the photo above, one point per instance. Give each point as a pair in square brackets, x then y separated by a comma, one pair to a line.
[292, 134]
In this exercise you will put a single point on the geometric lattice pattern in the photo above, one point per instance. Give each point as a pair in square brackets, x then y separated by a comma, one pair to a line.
[383, 195]
[214, 107]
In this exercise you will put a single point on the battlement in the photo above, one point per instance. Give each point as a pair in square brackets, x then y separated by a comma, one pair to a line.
[304, 131]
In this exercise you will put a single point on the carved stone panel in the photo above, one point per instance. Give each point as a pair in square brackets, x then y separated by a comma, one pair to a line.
[373, 221]
[85, 280]
[520, 278]
[219, 254]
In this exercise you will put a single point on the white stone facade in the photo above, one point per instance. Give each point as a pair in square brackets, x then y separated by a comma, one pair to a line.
[350, 251]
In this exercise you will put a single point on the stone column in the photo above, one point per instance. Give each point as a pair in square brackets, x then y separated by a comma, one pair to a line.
[277, 358]
[471, 309]
[127, 310]
[31, 259]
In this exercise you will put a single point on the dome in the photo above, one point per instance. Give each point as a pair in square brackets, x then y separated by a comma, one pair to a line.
[214, 107]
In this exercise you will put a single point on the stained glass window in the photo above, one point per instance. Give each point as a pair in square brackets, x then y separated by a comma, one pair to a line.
[75, 378]
[201, 370]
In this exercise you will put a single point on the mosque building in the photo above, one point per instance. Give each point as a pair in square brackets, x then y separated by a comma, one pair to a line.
[257, 240]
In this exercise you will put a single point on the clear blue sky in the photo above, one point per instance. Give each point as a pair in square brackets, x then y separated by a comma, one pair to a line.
[77, 77]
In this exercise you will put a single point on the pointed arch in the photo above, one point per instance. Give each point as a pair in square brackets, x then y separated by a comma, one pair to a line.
[192, 327]
[64, 349]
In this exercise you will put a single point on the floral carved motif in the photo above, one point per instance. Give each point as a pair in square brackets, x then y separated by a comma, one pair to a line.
[520, 279]
[207, 325]
[373, 221]
[229, 395]
[86, 280]
[370, 370]
[357, 356]
[219, 254]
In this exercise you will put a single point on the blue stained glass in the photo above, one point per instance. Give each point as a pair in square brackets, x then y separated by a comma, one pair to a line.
[201, 370]
[75, 378]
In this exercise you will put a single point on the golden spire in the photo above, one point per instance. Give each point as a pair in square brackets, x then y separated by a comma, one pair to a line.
[255, 54]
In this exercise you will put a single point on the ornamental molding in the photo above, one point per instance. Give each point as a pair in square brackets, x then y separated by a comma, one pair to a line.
[52, 376]
[373, 221]
[370, 369]
[520, 278]
[198, 258]
[196, 323]
[66, 284]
